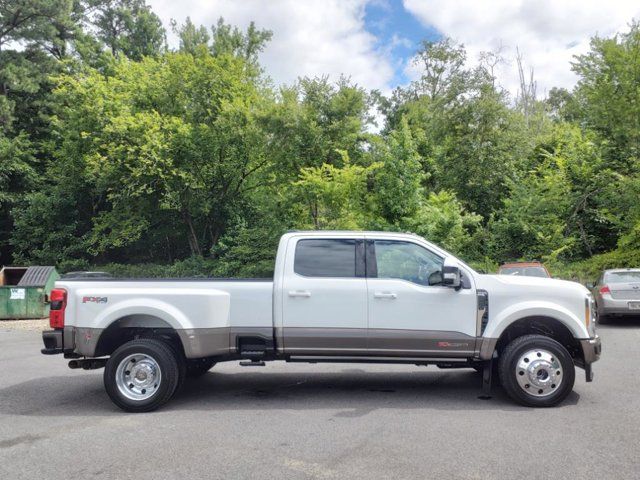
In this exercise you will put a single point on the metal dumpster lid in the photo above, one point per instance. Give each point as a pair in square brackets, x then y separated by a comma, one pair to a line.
[36, 276]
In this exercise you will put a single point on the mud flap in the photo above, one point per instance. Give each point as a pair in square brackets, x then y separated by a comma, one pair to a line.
[487, 377]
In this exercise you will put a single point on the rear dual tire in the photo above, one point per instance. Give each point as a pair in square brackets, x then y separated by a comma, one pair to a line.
[143, 374]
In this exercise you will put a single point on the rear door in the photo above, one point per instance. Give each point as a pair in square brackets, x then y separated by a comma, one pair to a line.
[410, 312]
[324, 297]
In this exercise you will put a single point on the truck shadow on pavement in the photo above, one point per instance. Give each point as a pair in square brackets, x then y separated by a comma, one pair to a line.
[631, 322]
[354, 392]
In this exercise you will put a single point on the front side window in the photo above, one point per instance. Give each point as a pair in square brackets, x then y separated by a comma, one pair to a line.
[325, 258]
[407, 261]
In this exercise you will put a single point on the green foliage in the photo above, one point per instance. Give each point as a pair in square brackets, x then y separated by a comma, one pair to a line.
[128, 27]
[442, 219]
[398, 180]
[609, 97]
[332, 197]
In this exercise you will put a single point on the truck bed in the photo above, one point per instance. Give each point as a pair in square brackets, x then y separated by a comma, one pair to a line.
[208, 314]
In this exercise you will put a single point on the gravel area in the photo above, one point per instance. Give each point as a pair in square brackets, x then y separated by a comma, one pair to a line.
[34, 325]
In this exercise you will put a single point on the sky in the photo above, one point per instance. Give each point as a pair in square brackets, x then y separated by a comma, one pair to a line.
[373, 41]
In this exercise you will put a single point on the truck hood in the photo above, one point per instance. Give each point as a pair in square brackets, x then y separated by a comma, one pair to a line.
[535, 283]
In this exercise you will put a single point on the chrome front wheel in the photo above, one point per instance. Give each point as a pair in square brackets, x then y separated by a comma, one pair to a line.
[538, 372]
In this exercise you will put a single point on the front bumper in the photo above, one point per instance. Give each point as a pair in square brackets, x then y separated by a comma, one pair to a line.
[591, 351]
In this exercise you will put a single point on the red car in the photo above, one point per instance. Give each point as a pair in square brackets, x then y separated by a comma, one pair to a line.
[526, 269]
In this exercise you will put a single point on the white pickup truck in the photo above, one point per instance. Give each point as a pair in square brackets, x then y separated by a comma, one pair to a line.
[335, 297]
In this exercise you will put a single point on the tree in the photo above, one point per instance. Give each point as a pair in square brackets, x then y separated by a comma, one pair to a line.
[224, 39]
[192, 37]
[128, 27]
[397, 182]
[608, 94]
[160, 143]
[333, 197]
[560, 209]
[33, 38]
[443, 220]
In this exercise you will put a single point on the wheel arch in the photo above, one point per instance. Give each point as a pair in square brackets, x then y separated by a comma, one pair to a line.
[547, 326]
[132, 326]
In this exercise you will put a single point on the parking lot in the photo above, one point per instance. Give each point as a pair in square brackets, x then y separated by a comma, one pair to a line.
[321, 421]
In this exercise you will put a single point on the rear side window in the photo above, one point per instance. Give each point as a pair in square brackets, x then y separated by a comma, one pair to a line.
[325, 258]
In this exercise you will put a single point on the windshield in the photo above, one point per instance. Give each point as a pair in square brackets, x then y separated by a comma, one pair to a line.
[524, 271]
[623, 277]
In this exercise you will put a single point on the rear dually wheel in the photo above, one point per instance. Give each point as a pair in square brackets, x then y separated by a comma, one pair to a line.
[142, 375]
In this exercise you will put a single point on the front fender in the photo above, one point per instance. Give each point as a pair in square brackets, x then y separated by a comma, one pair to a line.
[522, 310]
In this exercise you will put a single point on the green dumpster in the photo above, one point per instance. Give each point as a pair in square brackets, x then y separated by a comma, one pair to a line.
[24, 291]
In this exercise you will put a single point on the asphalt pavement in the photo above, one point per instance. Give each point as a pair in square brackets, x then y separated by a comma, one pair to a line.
[322, 421]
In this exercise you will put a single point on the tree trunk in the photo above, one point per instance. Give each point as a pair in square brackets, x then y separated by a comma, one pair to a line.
[194, 244]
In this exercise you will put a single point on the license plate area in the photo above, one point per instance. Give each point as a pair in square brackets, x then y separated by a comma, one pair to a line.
[634, 305]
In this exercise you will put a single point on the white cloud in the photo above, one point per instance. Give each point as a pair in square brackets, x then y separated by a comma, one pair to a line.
[548, 33]
[310, 38]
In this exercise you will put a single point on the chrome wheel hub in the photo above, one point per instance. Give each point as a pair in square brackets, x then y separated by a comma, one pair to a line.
[539, 372]
[138, 376]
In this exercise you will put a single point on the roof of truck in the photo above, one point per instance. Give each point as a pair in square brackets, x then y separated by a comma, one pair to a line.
[349, 232]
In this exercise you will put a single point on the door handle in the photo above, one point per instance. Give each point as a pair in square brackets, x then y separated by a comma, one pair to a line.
[300, 293]
[390, 295]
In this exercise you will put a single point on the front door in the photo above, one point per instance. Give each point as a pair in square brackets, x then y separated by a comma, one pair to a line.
[325, 297]
[410, 312]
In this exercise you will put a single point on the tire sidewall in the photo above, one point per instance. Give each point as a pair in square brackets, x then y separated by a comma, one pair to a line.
[162, 355]
[508, 369]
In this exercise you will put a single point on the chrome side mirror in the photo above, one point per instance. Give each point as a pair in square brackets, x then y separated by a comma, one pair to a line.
[451, 273]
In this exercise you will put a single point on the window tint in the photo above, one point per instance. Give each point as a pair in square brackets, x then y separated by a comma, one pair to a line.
[408, 261]
[325, 258]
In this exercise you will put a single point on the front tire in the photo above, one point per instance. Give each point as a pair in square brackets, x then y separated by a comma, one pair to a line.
[142, 375]
[536, 371]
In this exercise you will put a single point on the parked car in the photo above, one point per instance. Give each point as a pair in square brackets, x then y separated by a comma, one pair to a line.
[524, 269]
[335, 297]
[617, 293]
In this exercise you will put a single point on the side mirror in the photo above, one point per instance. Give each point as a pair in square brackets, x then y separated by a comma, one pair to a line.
[450, 273]
[589, 285]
